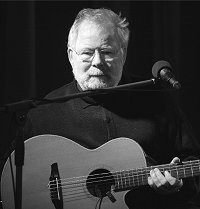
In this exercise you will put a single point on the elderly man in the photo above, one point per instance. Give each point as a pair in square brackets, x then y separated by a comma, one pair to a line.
[97, 50]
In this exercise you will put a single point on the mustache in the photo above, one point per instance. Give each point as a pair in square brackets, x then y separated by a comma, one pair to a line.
[98, 72]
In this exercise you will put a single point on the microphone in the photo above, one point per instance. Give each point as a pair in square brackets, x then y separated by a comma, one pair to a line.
[163, 71]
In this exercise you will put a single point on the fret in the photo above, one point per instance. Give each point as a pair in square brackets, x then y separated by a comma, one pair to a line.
[173, 169]
[141, 174]
[170, 169]
[132, 179]
[191, 169]
[137, 177]
[129, 179]
[177, 173]
[121, 178]
[188, 170]
[184, 172]
[116, 180]
[181, 171]
[147, 174]
[198, 168]
[125, 178]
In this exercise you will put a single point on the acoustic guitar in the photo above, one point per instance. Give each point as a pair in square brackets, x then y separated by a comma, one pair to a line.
[59, 173]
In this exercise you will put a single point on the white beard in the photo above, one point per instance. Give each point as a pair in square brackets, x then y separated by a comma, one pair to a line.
[93, 83]
[88, 81]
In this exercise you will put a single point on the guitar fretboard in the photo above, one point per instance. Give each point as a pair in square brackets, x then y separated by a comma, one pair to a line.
[128, 179]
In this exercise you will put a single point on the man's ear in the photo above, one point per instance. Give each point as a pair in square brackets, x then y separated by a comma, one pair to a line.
[124, 54]
[70, 56]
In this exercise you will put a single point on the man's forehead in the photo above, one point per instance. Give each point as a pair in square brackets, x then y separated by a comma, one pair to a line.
[98, 26]
[94, 32]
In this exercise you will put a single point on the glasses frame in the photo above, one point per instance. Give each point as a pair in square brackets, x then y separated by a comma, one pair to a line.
[83, 60]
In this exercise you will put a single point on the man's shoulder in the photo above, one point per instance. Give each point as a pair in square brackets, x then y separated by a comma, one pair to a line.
[64, 90]
[42, 114]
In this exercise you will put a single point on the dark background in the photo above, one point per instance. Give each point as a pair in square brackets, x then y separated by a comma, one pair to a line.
[33, 51]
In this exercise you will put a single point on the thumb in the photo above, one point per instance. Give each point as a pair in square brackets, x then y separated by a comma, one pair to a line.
[175, 160]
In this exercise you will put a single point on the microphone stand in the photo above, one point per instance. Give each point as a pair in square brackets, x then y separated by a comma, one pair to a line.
[20, 111]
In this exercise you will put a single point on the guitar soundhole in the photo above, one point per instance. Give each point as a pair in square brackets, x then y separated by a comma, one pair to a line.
[99, 182]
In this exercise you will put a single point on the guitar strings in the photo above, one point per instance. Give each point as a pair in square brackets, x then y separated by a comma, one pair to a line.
[82, 182]
[74, 193]
[75, 196]
[133, 172]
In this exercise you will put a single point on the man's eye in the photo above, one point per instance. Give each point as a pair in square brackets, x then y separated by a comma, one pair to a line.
[87, 53]
[108, 53]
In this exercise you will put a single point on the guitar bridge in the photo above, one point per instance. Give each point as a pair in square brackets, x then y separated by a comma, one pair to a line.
[55, 187]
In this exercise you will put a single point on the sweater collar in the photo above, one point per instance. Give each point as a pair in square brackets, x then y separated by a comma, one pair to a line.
[92, 100]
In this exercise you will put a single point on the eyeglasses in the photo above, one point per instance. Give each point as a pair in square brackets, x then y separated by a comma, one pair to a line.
[87, 55]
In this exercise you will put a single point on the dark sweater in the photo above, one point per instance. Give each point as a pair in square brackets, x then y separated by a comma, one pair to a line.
[148, 117]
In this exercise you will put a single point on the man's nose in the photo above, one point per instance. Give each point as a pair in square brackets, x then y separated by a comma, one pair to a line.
[97, 59]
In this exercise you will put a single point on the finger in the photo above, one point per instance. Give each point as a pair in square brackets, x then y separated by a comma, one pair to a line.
[155, 178]
[173, 181]
[161, 178]
[150, 181]
[169, 178]
[175, 160]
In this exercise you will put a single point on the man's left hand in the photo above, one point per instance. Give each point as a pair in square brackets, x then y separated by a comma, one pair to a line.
[165, 183]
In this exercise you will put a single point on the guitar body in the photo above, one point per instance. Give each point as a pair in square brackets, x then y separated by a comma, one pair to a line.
[75, 165]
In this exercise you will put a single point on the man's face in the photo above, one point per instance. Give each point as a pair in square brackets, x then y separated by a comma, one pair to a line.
[101, 44]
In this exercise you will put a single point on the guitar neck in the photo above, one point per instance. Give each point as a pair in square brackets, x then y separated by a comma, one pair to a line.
[125, 180]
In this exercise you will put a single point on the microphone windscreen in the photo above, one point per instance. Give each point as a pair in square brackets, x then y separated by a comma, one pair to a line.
[158, 66]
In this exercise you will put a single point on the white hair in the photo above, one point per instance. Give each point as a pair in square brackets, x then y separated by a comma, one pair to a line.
[100, 16]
